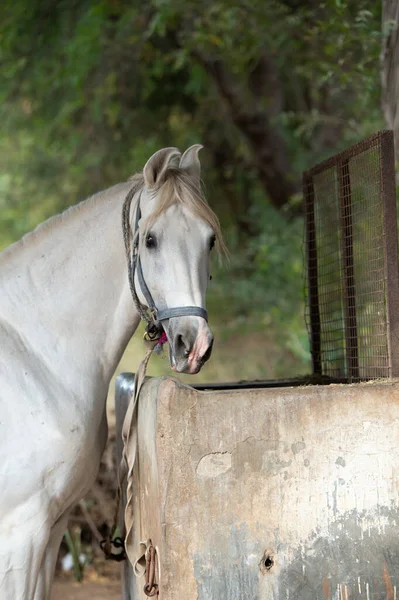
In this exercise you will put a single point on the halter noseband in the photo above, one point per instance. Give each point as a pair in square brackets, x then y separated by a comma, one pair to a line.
[154, 320]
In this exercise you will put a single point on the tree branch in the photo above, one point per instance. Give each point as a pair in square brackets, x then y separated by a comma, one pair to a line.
[252, 109]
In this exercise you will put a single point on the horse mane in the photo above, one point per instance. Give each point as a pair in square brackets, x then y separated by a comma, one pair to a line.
[179, 188]
[52, 222]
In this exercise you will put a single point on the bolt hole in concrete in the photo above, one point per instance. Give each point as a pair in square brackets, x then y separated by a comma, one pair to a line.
[267, 561]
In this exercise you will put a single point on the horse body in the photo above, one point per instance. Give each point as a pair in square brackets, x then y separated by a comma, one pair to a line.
[66, 316]
[59, 349]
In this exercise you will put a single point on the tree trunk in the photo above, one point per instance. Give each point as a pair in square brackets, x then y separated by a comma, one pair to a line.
[390, 68]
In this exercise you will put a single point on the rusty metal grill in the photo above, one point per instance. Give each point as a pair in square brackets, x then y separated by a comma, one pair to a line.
[352, 262]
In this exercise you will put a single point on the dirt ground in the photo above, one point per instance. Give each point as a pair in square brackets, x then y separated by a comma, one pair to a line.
[99, 583]
[67, 590]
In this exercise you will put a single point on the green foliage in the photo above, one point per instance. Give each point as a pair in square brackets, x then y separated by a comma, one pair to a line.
[73, 542]
[90, 88]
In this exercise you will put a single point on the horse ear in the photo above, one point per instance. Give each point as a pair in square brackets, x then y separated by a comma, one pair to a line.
[190, 163]
[156, 166]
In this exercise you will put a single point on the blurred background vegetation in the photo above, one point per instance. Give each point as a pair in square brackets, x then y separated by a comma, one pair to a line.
[89, 89]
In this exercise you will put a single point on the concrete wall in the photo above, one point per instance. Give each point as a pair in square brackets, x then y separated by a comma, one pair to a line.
[280, 494]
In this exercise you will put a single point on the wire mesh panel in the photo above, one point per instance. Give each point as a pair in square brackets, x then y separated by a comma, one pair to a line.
[352, 261]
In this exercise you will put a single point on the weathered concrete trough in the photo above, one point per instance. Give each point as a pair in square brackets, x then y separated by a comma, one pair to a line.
[270, 494]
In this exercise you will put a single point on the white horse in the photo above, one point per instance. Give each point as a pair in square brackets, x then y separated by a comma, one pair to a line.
[66, 316]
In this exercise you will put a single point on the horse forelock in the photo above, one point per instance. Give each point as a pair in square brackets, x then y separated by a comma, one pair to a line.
[179, 188]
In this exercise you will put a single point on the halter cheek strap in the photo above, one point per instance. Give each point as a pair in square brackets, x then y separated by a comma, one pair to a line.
[154, 327]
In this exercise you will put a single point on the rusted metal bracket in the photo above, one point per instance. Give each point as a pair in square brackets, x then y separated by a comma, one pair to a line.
[150, 587]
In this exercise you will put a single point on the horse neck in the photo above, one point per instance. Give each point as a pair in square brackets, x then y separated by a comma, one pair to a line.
[68, 289]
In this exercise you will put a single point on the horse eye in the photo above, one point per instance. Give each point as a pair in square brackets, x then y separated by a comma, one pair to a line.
[150, 241]
[212, 242]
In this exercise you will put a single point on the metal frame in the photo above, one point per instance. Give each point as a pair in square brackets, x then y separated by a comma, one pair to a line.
[388, 193]
[313, 285]
[384, 141]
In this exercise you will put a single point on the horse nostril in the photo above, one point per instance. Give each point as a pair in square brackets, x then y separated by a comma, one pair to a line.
[181, 345]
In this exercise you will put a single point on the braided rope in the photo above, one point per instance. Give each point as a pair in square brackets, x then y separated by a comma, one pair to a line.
[127, 238]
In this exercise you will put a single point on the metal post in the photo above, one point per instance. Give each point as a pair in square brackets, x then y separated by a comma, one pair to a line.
[313, 285]
[388, 195]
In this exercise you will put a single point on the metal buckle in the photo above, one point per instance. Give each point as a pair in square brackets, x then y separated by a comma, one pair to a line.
[107, 546]
[152, 332]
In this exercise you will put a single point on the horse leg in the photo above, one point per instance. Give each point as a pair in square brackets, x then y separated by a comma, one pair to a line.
[49, 560]
[21, 554]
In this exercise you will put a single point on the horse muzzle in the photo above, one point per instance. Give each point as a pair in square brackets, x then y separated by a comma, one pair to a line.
[190, 345]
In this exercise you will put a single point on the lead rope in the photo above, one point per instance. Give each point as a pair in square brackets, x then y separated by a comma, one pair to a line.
[129, 428]
[129, 438]
[110, 543]
[130, 444]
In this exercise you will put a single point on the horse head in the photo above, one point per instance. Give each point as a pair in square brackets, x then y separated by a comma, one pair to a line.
[174, 233]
